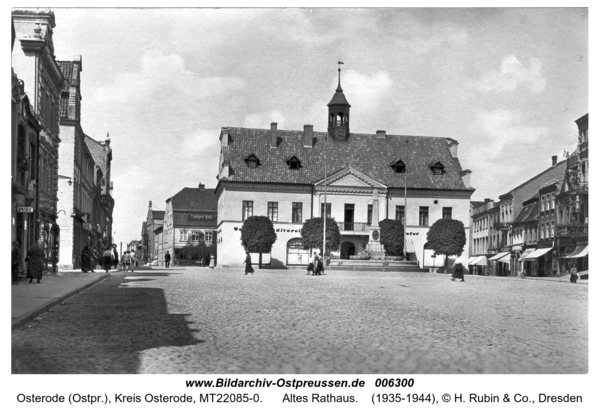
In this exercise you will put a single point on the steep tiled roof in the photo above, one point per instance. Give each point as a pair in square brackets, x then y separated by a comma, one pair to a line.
[158, 215]
[528, 213]
[365, 152]
[66, 68]
[477, 204]
[98, 151]
[195, 199]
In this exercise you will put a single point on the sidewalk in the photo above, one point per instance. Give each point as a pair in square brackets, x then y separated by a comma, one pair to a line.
[29, 301]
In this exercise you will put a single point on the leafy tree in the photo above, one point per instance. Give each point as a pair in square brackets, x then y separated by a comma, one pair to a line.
[312, 234]
[258, 235]
[447, 237]
[392, 236]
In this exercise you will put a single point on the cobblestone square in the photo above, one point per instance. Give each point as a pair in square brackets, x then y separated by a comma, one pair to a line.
[198, 320]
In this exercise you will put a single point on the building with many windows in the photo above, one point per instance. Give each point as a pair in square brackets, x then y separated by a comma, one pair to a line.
[356, 178]
[154, 219]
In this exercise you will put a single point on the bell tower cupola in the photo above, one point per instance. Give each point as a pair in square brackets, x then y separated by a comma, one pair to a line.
[339, 112]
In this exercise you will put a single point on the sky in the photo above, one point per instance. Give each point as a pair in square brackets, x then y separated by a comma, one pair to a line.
[506, 83]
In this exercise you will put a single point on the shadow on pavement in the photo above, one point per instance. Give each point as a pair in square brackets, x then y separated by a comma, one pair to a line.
[102, 330]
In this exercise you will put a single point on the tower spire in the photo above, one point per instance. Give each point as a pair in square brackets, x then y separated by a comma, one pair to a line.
[339, 88]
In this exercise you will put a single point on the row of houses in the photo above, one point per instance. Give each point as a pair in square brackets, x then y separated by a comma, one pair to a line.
[540, 227]
[61, 189]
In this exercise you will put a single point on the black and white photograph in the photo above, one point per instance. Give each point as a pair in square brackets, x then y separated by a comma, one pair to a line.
[334, 207]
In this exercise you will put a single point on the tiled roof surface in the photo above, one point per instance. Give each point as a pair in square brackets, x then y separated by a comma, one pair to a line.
[98, 152]
[365, 152]
[528, 213]
[158, 215]
[66, 68]
[195, 199]
[477, 204]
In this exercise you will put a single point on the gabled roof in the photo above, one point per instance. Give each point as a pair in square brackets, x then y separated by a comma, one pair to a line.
[528, 213]
[365, 152]
[477, 204]
[194, 199]
[99, 152]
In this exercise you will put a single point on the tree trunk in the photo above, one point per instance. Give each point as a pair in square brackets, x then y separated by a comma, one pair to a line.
[445, 264]
[260, 260]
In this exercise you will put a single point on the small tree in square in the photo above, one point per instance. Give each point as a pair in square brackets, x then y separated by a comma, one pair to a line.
[447, 237]
[258, 235]
[312, 234]
[392, 236]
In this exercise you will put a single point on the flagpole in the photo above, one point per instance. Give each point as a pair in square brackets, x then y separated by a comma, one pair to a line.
[405, 206]
[325, 203]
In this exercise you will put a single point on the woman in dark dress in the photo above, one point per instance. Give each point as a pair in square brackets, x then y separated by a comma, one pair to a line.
[35, 263]
[574, 275]
[248, 263]
[459, 271]
[107, 259]
[85, 259]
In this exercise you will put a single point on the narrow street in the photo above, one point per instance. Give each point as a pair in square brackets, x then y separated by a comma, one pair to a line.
[197, 320]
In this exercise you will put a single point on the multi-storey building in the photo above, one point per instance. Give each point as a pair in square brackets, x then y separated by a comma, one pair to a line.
[282, 174]
[25, 134]
[102, 197]
[190, 217]
[154, 219]
[572, 205]
[525, 235]
[34, 62]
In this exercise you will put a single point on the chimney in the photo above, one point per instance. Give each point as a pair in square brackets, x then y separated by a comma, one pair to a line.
[308, 136]
[381, 134]
[466, 177]
[554, 160]
[453, 147]
[224, 137]
[150, 206]
[273, 134]
[107, 140]
[200, 185]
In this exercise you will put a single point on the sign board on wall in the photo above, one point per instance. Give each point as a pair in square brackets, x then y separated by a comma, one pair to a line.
[28, 210]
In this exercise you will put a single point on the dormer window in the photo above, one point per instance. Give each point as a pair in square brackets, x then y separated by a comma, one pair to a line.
[399, 167]
[252, 161]
[437, 168]
[294, 163]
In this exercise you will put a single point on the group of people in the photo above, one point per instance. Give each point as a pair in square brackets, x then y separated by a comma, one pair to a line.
[316, 265]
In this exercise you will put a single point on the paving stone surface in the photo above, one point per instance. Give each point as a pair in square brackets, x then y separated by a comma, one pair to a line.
[199, 320]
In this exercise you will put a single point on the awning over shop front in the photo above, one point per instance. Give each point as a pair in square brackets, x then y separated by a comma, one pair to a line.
[480, 261]
[505, 259]
[580, 252]
[472, 260]
[537, 254]
[498, 256]
[410, 246]
[527, 252]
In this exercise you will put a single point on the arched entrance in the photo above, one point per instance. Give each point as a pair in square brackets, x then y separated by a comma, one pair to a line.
[346, 250]
[296, 254]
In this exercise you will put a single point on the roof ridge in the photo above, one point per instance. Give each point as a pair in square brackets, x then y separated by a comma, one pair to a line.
[351, 133]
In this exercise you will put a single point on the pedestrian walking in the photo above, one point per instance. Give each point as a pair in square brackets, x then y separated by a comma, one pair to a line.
[133, 260]
[212, 261]
[248, 262]
[125, 261]
[14, 261]
[315, 264]
[35, 263]
[459, 271]
[311, 265]
[107, 259]
[85, 258]
[167, 259]
[93, 259]
[574, 275]
[115, 257]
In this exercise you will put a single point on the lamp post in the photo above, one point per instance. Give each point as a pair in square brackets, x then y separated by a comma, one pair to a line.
[325, 203]
[405, 207]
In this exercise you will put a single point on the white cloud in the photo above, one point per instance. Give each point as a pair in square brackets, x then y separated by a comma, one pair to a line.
[512, 74]
[421, 39]
[263, 120]
[505, 129]
[164, 75]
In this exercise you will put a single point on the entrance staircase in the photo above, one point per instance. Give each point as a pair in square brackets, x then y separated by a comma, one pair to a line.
[375, 265]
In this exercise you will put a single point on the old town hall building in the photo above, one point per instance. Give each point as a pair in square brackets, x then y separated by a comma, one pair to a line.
[282, 174]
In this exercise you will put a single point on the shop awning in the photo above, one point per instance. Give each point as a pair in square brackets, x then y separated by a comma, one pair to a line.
[537, 254]
[527, 252]
[505, 259]
[410, 246]
[517, 248]
[580, 252]
[481, 260]
[498, 256]
[472, 260]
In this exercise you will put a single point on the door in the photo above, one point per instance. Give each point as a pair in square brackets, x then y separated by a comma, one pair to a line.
[346, 250]
[349, 217]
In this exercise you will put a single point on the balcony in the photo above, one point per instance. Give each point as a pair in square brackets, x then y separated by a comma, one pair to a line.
[580, 189]
[348, 228]
[571, 230]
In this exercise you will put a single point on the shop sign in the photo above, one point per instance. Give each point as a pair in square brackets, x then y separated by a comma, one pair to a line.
[203, 216]
[28, 210]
